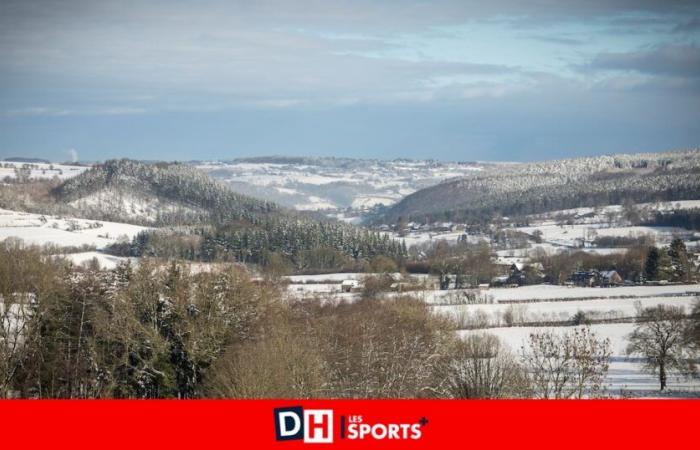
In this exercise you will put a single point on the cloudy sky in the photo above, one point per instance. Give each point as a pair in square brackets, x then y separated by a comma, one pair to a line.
[453, 80]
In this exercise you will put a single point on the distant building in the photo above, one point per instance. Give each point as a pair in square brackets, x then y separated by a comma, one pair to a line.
[610, 278]
[499, 281]
[517, 275]
[349, 286]
[589, 278]
[514, 277]
[584, 278]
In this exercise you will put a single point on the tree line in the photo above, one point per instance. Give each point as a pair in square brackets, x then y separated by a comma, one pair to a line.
[279, 245]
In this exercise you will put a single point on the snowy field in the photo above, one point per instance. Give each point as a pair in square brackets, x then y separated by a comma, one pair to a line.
[37, 229]
[625, 373]
[326, 278]
[603, 308]
[570, 235]
[548, 304]
[419, 238]
[591, 223]
[599, 215]
[39, 171]
[331, 284]
[313, 286]
[431, 237]
[107, 262]
[553, 292]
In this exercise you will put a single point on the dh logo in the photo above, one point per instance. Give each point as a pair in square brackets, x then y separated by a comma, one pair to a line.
[314, 426]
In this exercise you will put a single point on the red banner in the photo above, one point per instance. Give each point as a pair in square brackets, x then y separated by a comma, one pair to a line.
[282, 424]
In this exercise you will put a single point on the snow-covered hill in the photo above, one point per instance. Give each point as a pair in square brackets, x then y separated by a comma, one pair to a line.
[155, 194]
[521, 189]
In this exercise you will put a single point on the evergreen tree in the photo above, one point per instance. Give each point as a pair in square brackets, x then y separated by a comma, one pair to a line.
[651, 266]
[680, 265]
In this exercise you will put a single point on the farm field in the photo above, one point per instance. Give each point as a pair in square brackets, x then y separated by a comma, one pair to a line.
[547, 292]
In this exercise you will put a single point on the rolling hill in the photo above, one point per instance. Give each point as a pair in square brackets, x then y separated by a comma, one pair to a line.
[156, 194]
[529, 188]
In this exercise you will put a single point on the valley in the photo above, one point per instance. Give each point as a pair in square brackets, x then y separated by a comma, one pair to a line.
[339, 187]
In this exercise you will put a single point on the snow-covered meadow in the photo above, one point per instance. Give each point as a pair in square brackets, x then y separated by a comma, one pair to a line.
[324, 285]
[558, 303]
[107, 262]
[37, 229]
[601, 214]
[573, 235]
[549, 293]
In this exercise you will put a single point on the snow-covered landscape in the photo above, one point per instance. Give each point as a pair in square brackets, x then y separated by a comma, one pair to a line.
[412, 223]
[514, 290]
[331, 201]
[343, 188]
[12, 170]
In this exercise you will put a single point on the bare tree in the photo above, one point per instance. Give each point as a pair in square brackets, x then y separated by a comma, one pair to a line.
[378, 348]
[482, 368]
[568, 365]
[283, 363]
[15, 314]
[661, 338]
[693, 329]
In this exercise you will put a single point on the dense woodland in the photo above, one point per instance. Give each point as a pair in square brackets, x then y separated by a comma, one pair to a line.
[521, 189]
[688, 218]
[299, 246]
